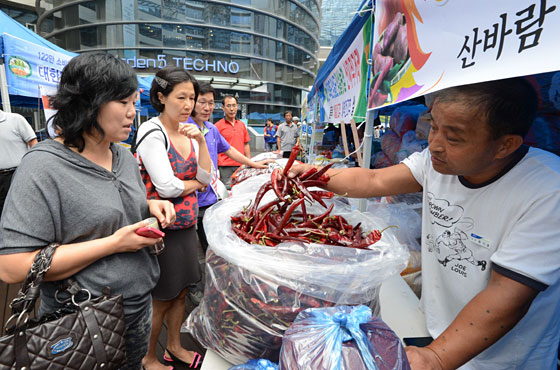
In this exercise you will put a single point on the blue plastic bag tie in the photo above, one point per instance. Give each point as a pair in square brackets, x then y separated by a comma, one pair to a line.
[253, 364]
[266, 365]
[351, 322]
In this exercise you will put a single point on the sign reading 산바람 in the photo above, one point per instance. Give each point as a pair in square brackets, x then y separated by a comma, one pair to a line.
[421, 46]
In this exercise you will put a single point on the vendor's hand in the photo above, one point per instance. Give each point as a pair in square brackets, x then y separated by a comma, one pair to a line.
[192, 132]
[163, 210]
[262, 164]
[298, 169]
[423, 358]
[125, 239]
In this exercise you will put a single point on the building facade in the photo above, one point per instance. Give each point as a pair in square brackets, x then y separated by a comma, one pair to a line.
[263, 51]
[335, 17]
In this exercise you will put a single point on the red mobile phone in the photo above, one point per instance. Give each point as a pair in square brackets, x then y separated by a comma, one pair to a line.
[150, 232]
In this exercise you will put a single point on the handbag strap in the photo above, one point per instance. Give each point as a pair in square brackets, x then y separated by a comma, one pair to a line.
[86, 310]
[25, 300]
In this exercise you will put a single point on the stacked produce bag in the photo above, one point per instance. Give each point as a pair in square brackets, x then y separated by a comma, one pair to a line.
[402, 140]
[341, 338]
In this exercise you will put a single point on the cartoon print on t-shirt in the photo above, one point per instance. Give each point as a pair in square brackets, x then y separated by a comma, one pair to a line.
[455, 241]
[451, 243]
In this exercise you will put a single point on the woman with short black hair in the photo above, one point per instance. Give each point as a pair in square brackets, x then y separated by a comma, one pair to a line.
[85, 192]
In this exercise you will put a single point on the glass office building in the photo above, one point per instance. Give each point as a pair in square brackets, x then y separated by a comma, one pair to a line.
[263, 51]
[335, 18]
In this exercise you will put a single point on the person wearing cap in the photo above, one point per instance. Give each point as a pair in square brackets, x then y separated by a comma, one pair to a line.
[16, 138]
[287, 135]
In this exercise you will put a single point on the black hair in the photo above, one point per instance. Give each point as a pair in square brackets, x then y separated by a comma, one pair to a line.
[87, 82]
[509, 105]
[165, 81]
[227, 97]
[286, 112]
[270, 120]
[204, 88]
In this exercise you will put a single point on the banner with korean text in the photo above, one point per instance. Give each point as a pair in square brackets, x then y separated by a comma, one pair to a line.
[421, 46]
[342, 86]
[29, 66]
[340, 90]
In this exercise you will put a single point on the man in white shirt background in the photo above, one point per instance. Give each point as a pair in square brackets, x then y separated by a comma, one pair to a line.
[16, 137]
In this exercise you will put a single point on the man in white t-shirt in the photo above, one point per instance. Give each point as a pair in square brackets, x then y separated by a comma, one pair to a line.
[490, 230]
[16, 137]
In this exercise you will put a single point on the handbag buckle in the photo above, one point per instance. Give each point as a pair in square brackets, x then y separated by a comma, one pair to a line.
[19, 317]
[72, 297]
[81, 290]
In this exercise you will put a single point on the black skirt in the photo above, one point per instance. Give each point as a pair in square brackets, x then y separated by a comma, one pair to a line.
[178, 263]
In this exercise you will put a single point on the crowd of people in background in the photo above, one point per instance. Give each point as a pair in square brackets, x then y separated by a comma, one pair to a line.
[85, 192]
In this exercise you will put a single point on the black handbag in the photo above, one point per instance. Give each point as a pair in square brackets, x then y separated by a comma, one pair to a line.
[81, 335]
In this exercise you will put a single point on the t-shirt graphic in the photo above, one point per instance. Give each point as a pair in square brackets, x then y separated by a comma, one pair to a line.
[451, 244]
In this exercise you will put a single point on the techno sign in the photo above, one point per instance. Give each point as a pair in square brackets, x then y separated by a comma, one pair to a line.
[190, 64]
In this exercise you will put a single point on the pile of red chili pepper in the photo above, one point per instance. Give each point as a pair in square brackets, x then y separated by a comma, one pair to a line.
[286, 217]
[244, 315]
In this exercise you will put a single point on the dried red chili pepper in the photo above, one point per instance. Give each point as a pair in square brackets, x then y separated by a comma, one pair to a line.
[336, 237]
[262, 220]
[246, 236]
[274, 181]
[310, 183]
[304, 211]
[319, 199]
[293, 156]
[323, 194]
[306, 174]
[260, 194]
[320, 172]
[300, 187]
[288, 213]
[275, 309]
[322, 216]
[298, 230]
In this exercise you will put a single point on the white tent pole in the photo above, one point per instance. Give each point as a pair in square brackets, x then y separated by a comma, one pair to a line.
[6, 107]
[368, 134]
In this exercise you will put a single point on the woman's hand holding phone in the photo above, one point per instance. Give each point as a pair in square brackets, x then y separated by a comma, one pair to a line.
[150, 232]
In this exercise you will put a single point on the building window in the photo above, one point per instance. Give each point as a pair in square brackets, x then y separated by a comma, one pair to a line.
[150, 7]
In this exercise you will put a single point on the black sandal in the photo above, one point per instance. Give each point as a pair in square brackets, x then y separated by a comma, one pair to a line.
[173, 358]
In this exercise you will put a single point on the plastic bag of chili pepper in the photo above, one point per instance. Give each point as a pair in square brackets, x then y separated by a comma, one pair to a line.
[253, 292]
[342, 338]
[243, 172]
